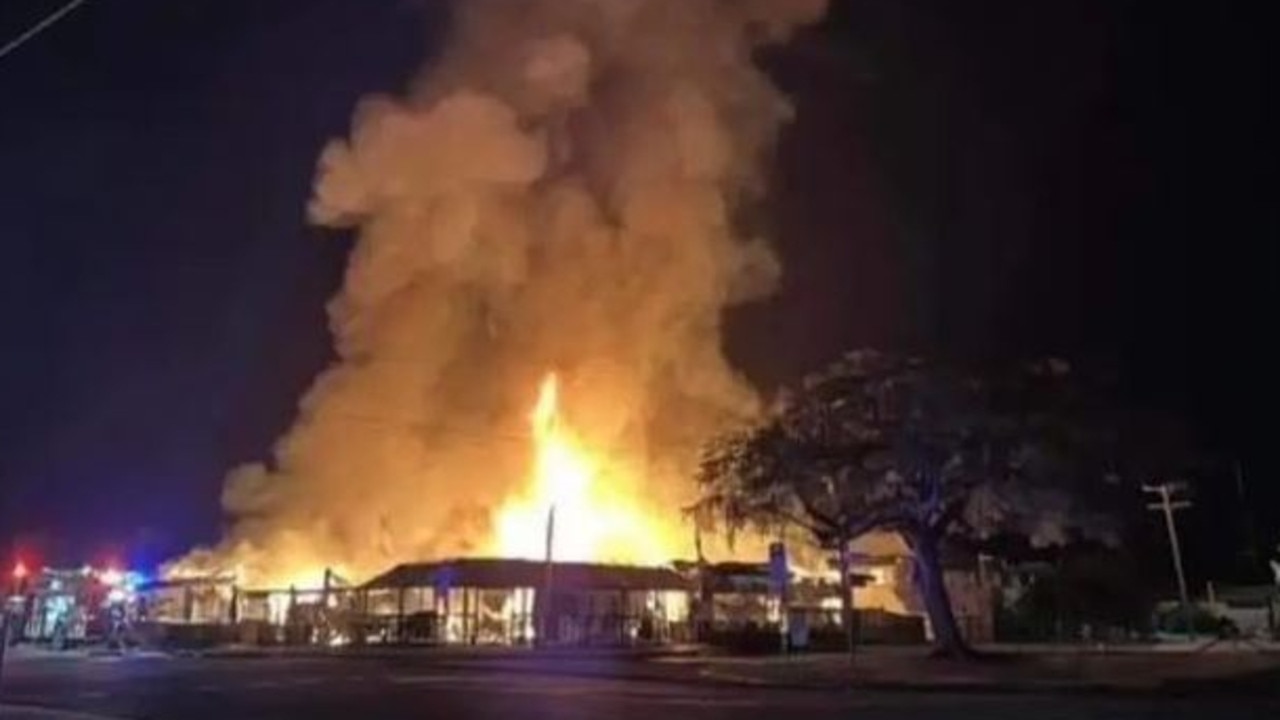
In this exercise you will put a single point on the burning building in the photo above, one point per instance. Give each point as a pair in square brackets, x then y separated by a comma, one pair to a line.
[513, 602]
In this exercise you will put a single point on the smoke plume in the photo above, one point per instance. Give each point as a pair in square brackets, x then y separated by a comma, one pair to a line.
[559, 191]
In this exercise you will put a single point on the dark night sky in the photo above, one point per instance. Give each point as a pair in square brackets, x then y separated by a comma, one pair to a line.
[989, 179]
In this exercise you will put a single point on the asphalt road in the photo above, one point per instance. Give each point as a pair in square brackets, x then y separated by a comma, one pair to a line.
[162, 688]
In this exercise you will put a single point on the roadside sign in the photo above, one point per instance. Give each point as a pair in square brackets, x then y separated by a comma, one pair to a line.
[779, 573]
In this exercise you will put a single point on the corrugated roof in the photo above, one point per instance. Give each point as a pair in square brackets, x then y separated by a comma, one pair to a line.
[508, 573]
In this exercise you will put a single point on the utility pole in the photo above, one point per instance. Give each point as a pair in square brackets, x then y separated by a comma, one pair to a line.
[1168, 505]
[848, 612]
[548, 580]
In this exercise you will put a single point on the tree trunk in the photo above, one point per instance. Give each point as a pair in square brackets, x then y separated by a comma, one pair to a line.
[937, 602]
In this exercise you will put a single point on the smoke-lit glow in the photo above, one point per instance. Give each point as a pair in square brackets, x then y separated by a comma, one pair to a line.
[595, 518]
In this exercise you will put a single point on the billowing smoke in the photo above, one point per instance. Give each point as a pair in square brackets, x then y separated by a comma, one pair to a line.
[560, 191]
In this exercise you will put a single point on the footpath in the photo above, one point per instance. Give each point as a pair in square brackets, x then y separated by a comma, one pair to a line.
[1171, 668]
[1187, 670]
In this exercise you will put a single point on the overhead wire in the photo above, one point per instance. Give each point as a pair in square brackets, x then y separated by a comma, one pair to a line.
[49, 21]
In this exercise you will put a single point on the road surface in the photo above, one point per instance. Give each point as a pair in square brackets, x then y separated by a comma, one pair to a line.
[164, 688]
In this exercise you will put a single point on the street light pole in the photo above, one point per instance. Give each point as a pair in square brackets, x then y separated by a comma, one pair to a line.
[1168, 505]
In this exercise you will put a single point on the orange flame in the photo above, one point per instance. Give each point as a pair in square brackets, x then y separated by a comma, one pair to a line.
[600, 515]
[595, 519]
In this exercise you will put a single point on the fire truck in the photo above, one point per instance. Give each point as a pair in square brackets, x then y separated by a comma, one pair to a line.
[64, 608]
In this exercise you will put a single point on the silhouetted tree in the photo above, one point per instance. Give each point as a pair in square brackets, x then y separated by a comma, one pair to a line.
[883, 443]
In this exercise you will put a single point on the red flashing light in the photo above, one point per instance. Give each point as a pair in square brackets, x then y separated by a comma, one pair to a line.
[20, 571]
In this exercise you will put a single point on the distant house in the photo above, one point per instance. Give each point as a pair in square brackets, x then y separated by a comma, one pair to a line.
[740, 594]
[893, 589]
[1253, 610]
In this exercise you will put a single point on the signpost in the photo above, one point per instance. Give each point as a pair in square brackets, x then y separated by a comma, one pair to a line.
[444, 581]
[779, 581]
[849, 582]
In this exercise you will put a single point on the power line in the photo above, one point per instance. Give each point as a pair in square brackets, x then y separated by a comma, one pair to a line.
[40, 27]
